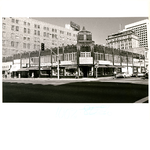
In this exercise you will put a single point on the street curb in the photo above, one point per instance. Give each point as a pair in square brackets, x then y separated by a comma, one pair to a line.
[142, 100]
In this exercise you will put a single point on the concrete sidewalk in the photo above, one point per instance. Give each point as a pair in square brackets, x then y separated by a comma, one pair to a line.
[44, 79]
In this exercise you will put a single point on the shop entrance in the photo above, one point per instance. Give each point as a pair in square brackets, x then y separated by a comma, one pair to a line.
[85, 70]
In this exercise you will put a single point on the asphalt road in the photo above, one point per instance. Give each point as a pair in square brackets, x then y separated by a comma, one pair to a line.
[77, 91]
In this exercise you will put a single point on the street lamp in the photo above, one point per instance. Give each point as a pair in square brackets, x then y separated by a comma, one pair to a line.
[57, 56]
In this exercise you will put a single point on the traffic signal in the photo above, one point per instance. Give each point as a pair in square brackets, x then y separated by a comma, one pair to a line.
[42, 46]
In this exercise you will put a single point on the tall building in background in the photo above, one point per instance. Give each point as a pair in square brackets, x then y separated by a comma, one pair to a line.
[123, 40]
[24, 35]
[141, 28]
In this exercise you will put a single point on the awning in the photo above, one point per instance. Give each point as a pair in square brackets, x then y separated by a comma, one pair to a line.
[102, 66]
[23, 69]
[120, 66]
[33, 68]
[71, 67]
[111, 66]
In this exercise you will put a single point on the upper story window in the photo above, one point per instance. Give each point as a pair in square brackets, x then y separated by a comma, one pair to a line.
[44, 28]
[25, 30]
[4, 25]
[13, 20]
[17, 28]
[85, 54]
[38, 32]
[35, 26]
[17, 21]
[4, 34]
[28, 24]
[53, 30]
[44, 34]
[25, 23]
[47, 28]
[12, 44]
[12, 27]
[24, 45]
[29, 31]
[38, 26]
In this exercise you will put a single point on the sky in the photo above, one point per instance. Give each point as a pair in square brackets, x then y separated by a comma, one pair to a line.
[100, 27]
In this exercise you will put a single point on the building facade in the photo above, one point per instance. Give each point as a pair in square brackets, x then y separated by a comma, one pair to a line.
[123, 40]
[142, 30]
[85, 58]
[21, 35]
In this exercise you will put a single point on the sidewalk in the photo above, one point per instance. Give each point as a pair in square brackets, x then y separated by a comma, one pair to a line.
[43, 79]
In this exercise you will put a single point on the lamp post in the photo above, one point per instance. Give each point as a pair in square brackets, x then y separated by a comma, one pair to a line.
[57, 56]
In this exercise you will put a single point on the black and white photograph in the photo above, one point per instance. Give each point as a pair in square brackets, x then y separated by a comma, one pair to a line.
[75, 75]
[75, 60]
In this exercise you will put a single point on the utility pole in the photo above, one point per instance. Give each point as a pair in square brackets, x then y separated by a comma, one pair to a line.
[58, 62]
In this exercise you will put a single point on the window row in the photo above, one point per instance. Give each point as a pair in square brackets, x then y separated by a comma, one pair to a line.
[26, 23]
[14, 28]
[85, 54]
[14, 20]
[70, 56]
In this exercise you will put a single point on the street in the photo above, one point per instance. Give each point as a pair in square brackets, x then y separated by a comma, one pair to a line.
[101, 90]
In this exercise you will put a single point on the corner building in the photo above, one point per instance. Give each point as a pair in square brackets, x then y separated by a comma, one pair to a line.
[85, 58]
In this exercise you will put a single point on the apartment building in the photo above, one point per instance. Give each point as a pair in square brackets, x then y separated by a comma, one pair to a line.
[24, 35]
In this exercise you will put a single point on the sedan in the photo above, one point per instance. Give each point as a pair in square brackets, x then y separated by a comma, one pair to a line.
[123, 75]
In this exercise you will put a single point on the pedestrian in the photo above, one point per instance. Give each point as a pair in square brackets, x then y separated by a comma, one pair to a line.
[76, 74]
[32, 74]
[115, 74]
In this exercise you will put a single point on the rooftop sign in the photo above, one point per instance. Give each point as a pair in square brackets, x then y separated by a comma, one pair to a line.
[75, 26]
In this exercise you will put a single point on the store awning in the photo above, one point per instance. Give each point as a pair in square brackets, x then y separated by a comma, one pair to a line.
[102, 66]
[23, 69]
[111, 66]
[33, 68]
[71, 67]
[120, 66]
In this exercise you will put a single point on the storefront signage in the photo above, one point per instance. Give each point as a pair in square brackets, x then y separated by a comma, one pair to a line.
[25, 62]
[118, 64]
[136, 62]
[104, 62]
[17, 61]
[15, 67]
[85, 60]
[6, 65]
[67, 63]
[45, 64]
[34, 61]
[75, 26]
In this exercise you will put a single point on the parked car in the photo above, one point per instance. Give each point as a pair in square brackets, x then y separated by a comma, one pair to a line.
[146, 76]
[140, 74]
[123, 75]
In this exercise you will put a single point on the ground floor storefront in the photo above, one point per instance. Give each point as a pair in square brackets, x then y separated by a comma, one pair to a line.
[71, 71]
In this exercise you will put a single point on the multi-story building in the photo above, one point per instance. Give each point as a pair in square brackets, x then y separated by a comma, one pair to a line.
[123, 40]
[25, 34]
[84, 58]
[141, 28]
